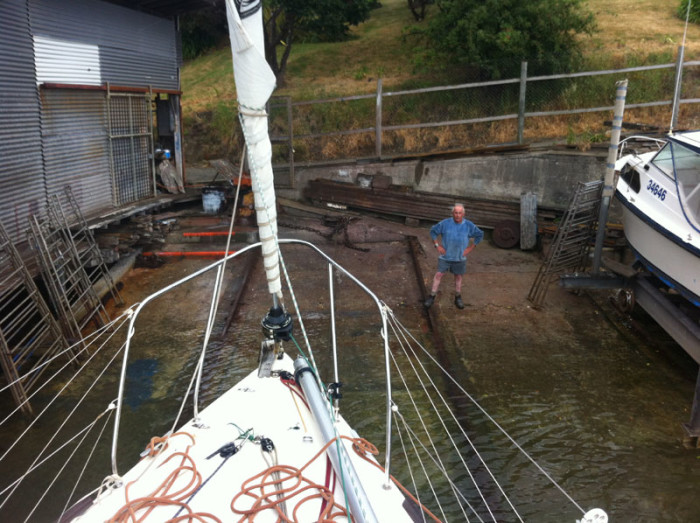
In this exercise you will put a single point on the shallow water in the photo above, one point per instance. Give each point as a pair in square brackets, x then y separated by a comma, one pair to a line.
[597, 407]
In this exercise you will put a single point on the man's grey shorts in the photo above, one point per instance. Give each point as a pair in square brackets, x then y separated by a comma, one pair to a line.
[455, 267]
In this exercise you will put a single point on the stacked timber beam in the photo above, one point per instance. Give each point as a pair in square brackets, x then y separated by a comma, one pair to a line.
[402, 201]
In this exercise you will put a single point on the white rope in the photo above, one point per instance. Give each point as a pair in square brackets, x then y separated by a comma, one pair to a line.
[491, 419]
[430, 439]
[67, 418]
[449, 433]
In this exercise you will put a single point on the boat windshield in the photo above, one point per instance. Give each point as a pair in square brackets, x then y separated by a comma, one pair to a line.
[687, 175]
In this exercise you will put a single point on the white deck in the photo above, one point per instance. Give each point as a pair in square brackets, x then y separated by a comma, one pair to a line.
[269, 408]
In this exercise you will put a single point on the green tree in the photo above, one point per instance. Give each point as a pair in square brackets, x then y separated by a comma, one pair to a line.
[321, 20]
[489, 38]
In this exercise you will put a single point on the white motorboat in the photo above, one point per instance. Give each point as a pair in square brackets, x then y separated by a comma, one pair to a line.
[275, 446]
[660, 195]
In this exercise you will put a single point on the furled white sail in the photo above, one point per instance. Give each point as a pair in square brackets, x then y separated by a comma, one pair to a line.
[255, 82]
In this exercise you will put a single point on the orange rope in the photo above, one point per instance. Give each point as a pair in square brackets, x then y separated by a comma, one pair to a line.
[264, 499]
[272, 499]
[139, 509]
[362, 446]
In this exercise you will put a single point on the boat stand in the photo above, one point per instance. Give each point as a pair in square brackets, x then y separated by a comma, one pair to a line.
[637, 287]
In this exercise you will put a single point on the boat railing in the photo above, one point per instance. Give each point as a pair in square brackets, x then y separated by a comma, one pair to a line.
[622, 146]
[218, 266]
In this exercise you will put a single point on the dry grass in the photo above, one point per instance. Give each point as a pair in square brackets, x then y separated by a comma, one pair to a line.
[640, 27]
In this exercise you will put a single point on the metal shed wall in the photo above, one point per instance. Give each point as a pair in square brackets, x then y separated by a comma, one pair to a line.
[131, 48]
[22, 189]
[76, 146]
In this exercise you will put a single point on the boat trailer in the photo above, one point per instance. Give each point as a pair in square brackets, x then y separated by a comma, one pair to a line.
[638, 287]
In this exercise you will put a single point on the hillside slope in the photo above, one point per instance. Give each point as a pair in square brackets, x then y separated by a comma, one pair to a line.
[630, 32]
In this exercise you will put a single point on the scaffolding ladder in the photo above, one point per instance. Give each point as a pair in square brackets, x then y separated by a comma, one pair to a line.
[571, 244]
[30, 337]
[68, 218]
[72, 294]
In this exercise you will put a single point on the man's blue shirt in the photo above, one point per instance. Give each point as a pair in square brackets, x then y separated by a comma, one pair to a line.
[455, 237]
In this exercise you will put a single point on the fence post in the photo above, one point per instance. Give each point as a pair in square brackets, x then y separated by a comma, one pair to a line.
[521, 101]
[378, 125]
[677, 90]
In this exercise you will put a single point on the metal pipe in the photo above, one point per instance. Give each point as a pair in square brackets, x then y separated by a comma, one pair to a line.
[521, 102]
[677, 89]
[608, 189]
[188, 253]
[378, 121]
[693, 426]
[331, 297]
[360, 507]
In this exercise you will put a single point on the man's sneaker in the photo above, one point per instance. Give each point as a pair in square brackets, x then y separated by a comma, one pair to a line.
[429, 302]
[458, 301]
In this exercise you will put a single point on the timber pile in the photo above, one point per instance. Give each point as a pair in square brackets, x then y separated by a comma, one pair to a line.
[138, 233]
[402, 201]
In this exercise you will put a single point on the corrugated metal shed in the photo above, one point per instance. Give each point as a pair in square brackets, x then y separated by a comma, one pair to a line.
[54, 135]
[21, 172]
[132, 48]
[74, 133]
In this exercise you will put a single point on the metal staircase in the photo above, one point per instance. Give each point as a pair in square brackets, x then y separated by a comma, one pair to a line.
[572, 241]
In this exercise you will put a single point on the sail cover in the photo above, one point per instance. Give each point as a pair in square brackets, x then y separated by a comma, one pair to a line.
[255, 82]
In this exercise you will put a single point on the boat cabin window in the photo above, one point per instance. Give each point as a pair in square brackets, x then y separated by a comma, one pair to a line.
[687, 175]
[631, 177]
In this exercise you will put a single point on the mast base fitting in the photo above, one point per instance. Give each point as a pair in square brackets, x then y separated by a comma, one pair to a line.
[277, 325]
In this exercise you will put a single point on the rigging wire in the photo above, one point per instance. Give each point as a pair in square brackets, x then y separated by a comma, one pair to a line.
[68, 460]
[35, 466]
[410, 473]
[55, 397]
[430, 439]
[491, 419]
[426, 475]
[94, 334]
[87, 461]
[414, 437]
[217, 292]
[67, 418]
[679, 77]
[448, 432]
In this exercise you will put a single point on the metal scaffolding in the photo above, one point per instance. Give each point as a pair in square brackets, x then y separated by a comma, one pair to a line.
[572, 241]
[67, 217]
[70, 288]
[29, 334]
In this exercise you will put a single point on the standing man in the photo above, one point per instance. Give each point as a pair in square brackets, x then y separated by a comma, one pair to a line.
[458, 237]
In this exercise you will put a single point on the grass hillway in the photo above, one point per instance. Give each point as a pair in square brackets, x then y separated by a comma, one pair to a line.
[629, 33]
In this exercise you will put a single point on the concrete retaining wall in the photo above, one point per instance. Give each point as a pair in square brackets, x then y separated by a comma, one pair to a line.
[551, 175]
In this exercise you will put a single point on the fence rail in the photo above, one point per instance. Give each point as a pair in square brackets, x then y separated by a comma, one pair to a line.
[390, 124]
